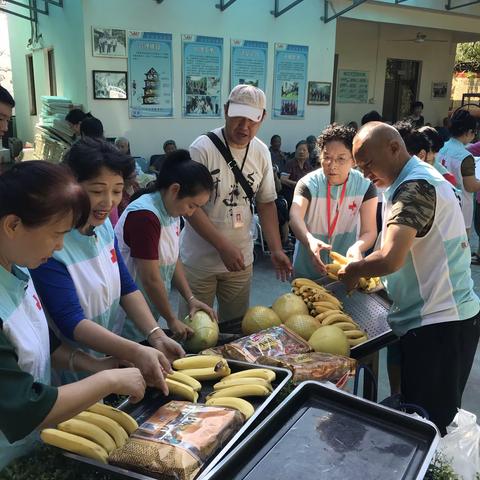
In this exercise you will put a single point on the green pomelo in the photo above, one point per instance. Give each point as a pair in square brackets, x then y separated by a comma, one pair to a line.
[330, 339]
[205, 332]
[289, 304]
[259, 318]
[303, 325]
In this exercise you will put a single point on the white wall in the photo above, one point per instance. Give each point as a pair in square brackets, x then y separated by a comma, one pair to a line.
[371, 55]
[245, 19]
[62, 30]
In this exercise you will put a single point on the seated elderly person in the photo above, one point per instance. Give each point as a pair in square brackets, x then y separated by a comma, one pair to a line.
[156, 161]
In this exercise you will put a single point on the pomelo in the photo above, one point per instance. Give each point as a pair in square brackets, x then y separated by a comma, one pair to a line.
[303, 325]
[330, 339]
[259, 318]
[289, 304]
[205, 332]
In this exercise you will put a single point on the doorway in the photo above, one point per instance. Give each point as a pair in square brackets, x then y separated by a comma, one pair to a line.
[402, 79]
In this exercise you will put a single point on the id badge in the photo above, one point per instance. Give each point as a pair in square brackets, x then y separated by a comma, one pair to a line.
[237, 217]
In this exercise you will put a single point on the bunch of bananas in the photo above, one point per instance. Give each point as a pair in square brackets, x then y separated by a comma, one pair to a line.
[317, 298]
[231, 390]
[94, 433]
[184, 381]
[339, 261]
[355, 335]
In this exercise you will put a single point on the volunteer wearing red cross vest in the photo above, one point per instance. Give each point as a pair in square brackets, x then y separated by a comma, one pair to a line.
[86, 282]
[334, 207]
[39, 203]
[424, 261]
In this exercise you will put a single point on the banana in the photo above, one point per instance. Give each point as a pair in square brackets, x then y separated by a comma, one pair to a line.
[74, 444]
[333, 268]
[187, 380]
[264, 373]
[327, 313]
[125, 420]
[196, 361]
[182, 390]
[243, 381]
[353, 334]
[110, 426]
[241, 391]
[88, 431]
[339, 258]
[336, 318]
[209, 373]
[332, 276]
[329, 305]
[363, 283]
[300, 282]
[345, 326]
[244, 407]
[353, 342]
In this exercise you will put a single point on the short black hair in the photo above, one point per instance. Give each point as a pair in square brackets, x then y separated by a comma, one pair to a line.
[301, 142]
[461, 122]
[337, 133]
[435, 139]
[372, 116]
[274, 137]
[89, 155]
[415, 141]
[311, 139]
[92, 127]
[416, 104]
[75, 116]
[5, 97]
[169, 142]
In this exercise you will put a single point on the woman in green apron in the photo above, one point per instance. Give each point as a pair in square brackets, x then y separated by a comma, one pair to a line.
[148, 238]
[39, 204]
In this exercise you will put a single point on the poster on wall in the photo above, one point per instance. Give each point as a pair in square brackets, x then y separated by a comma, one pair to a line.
[248, 64]
[202, 76]
[150, 84]
[352, 86]
[290, 81]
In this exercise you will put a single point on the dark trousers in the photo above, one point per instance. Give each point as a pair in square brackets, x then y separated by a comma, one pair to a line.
[436, 362]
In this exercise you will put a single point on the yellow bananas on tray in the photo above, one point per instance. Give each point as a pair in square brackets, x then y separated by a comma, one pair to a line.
[182, 390]
[94, 433]
[264, 373]
[113, 428]
[74, 443]
[240, 391]
[244, 407]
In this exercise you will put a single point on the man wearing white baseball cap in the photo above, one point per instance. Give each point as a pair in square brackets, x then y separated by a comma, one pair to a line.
[216, 244]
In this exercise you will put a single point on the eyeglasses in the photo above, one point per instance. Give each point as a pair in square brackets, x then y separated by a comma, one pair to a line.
[335, 161]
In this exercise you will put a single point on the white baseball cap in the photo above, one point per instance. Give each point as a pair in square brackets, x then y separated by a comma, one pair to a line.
[246, 101]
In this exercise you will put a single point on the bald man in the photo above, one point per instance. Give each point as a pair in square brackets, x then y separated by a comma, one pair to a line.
[424, 262]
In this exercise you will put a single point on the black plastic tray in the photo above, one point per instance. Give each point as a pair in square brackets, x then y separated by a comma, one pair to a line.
[154, 399]
[323, 433]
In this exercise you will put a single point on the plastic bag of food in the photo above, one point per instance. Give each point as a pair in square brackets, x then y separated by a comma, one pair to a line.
[271, 342]
[176, 441]
[313, 366]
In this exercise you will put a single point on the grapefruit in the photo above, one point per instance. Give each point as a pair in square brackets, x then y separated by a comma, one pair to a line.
[330, 339]
[303, 325]
[289, 304]
[259, 318]
[205, 332]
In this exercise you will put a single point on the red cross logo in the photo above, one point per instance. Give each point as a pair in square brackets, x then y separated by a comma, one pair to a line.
[113, 255]
[37, 302]
[352, 206]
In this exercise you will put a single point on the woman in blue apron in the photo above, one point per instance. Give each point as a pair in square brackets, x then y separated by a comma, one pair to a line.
[39, 203]
[148, 236]
[334, 207]
[84, 285]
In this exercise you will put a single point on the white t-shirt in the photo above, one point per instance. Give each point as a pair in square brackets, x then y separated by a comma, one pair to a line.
[228, 200]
